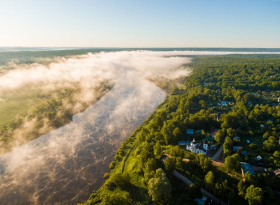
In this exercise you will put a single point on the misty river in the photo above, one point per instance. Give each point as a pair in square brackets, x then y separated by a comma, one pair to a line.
[66, 165]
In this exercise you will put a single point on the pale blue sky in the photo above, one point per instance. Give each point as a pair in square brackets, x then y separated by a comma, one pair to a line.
[140, 23]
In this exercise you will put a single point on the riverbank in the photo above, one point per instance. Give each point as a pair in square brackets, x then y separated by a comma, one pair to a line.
[126, 159]
[136, 163]
[66, 158]
[43, 111]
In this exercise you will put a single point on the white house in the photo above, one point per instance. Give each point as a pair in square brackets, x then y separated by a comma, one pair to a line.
[197, 147]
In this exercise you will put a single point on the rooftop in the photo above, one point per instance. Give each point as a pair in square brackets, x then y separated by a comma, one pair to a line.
[247, 168]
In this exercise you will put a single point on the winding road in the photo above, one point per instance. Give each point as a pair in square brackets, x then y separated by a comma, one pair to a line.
[189, 182]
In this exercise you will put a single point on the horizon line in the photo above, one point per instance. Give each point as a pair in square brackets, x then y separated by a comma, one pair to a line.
[126, 47]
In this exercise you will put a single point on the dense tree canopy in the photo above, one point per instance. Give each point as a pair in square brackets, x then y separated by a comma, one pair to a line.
[254, 195]
[159, 188]
[236, 95]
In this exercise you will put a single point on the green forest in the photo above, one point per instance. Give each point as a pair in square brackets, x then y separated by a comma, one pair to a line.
[236, 95]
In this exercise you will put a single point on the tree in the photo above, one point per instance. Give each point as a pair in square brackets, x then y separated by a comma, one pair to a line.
[276, 154]
[177, 134]
[232, 162]
[241, 188]
[157, 149]
[209, 180]
[159, 187]
[230, 121]
[142, 135]
[159, 136]
[167, 131]
[253, 145]
[194, 191]
[246, 97]
[179, 164]
[115, 198]
[203, 104]
[150, 165]
[249, 178]
[219, 137]
[106, 176]
[269, 145]
[112, 164]
[230, 132]
[221, 189]
[204, 162]
[266, 135]
[254, 195]
[118, 180]
[227, 146]
[158, 120]
[146, 153]
[177, 151]
[150, 168]
[169, 164]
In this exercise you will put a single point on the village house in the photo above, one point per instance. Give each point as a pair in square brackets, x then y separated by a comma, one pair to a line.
[190, 131]
[246, 167]
[235, 148]
[277, 172]
[224, 103]
[259, 160]
[184, 142]
[199, 131]
[264, 125]
[208, 138]
[213, 132]
[270, 120]
[197, 147]
[236, 138]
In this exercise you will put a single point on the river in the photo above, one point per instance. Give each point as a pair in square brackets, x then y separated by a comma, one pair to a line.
[66, 165]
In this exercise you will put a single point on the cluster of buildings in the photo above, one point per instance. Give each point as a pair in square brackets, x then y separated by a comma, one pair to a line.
[195, 147]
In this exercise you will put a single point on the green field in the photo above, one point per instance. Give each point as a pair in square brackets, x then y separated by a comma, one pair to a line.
[15, 103]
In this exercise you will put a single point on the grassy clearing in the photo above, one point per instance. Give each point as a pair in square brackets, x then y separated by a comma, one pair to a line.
[18, 103]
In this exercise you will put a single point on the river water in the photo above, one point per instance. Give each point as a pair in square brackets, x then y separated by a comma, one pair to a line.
[66, 165]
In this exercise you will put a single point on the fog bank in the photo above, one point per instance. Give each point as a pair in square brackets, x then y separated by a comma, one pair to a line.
[64, 166]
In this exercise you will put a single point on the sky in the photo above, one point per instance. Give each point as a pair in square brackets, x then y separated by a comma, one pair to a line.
[140, 23]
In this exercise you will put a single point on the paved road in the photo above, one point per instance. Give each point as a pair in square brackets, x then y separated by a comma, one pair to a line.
[189, 182]
[217, 162]
[168, 155]
[216, 156]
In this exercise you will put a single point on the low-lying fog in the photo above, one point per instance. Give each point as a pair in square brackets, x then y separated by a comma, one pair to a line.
[66, 165]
